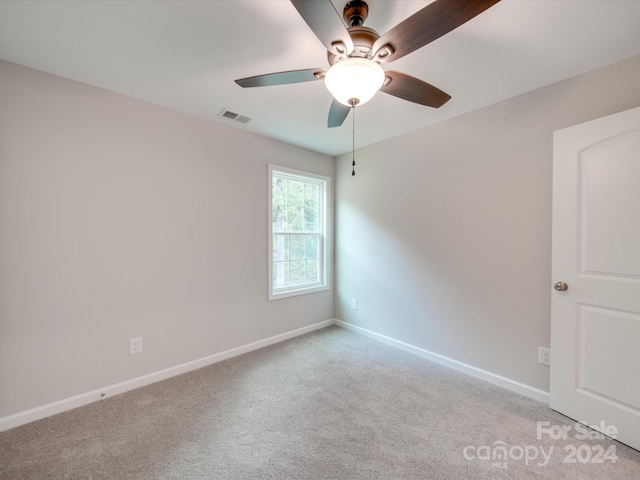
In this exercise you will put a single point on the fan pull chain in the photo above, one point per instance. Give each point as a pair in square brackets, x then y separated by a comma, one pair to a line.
[353, 140]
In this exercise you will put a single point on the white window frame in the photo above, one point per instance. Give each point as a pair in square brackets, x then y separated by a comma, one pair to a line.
[325, 234]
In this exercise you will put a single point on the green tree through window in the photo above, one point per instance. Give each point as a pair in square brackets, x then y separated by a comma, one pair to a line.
[298, 233]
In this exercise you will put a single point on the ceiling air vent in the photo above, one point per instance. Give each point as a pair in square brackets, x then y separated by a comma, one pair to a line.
[233, 116]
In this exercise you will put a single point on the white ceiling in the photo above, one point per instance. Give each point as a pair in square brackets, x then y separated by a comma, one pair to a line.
[186, 54]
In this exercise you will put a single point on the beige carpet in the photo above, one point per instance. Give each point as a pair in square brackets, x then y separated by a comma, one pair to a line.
[328, 405]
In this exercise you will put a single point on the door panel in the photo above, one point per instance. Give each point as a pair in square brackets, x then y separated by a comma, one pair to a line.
[609, 184]
[601, 350]
[595, 324]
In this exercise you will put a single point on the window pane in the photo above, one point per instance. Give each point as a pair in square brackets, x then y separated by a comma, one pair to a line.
[311, 207]
[294, 219]
[297, 247]
[280, 274]
[312, 246]
[295, 193]
[280, 247]
[279, 190]
[311, 220]
[278, 204]
[312, 271]
[297, 272]
[278, 218]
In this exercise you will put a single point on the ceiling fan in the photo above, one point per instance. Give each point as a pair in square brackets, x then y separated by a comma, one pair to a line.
[356, 52]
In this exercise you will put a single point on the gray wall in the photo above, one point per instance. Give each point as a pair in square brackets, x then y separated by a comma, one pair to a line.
[121, 219]
[444, 234]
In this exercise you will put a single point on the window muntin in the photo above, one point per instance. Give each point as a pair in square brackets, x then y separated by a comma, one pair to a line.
[298, 225]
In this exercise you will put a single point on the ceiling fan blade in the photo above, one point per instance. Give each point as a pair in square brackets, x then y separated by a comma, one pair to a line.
[427, 25]
[282, 78]
[414, 90]
[326, 23]
[337, 114]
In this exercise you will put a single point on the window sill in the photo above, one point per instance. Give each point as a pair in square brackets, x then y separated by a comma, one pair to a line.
[299, 291]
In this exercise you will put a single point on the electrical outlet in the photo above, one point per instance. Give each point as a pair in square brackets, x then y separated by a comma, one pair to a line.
[544, 356]
[135, 345]
[354, 304]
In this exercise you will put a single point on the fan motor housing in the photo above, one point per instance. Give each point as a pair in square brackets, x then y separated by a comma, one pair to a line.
[363, 40]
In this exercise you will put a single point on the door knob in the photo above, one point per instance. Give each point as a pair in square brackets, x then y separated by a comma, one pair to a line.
[561, 286]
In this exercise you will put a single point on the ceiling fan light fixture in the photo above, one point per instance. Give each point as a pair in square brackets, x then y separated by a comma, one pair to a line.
[354, 81]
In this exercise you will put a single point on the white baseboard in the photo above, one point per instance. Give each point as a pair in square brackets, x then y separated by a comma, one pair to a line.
[65, 404]
[69, 403]
[514, 386]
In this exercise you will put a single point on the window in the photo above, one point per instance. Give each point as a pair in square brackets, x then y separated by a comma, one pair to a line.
[297, 232]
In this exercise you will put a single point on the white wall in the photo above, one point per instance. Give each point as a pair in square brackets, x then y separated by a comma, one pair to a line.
[121, 219]
[444, 234]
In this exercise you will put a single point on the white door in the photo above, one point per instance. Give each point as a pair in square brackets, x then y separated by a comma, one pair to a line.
[595, 323]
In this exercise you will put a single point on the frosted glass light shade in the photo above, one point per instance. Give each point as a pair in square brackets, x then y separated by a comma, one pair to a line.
[354, 78]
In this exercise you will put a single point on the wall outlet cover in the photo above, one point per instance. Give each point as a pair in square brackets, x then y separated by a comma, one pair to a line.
[135, 345]
[544, 356]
